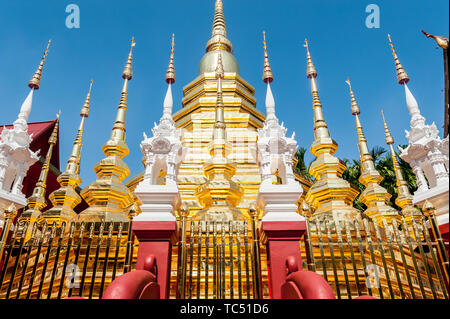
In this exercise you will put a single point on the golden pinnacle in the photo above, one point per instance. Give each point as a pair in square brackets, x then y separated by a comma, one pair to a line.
[267, 74]
[170, 74]
[35, 81]
[54, 137]
[354, 104]
[128, 70]
[85, 109]
[389, 138]
[310, 68]
[402, 76]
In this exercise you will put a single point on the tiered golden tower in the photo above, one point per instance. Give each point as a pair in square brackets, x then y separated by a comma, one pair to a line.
[66, 198]
[197, 119]
[108, 198]
[330, 196]
[374, 196]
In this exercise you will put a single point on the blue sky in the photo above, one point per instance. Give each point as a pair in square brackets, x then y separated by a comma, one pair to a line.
[341, 46]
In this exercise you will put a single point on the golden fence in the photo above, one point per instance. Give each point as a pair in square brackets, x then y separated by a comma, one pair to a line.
[218, 260]
[225, 260]
[393, 261]
[78, 259]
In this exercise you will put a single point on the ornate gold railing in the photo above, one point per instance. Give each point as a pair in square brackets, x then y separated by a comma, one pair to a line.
[218, 260]
[390, 261]
[79, 259]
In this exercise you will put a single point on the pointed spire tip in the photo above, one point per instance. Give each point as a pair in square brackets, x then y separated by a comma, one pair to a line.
[35, 81]
[87, 102]
[402, 76]
[311, 71]
[389, 138]
[170, 74]
[354, 104]
[128, 70]
[267, 74]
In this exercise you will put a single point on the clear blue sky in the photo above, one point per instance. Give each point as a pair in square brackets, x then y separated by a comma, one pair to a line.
[340, 43]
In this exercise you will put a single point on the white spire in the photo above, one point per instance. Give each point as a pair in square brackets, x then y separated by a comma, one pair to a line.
[270, 103]
[24, 113]
[411, 102]
[168, 102]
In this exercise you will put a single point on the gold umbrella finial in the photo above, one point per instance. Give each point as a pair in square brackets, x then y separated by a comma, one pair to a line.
[87, 102]
[128, 70]
[402, 76]
[354, 104]
[267, 74]
[310, 68]
[219, 40]
[389, 138]
[170, 74]
[35, 81]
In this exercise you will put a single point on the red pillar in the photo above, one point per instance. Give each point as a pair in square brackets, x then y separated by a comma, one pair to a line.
[282, 239]
[156, 238]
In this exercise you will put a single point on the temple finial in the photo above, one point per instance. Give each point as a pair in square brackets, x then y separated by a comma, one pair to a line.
[402, 76]
[219, 39]
[374, 196]
[321, 131]
[107, 197]
[35, 81]
[440, 40]
[404, 199]
[267, 74]
[170, 74]
[128, 70]
[54, 136]
[310, 68]
[354, 104]
[387, 133]
[66, 198]
[36, 202]
[85, 109]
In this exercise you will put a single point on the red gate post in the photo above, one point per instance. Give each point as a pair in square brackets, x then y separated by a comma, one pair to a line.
[281, 230]
[156, 238]
[282, 239]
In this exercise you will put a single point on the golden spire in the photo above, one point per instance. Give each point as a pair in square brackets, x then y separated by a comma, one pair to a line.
[116, 144]
[108, 198]
[402, 76]
[267, 74]
[387, 133]
[374, 196]
[310, 68]
[66, 198]
[219, 39]
[219, 195]
[36, 202]
[322, 140]
[35, 81]
[404, 199]
[170, 74]
[327, 169]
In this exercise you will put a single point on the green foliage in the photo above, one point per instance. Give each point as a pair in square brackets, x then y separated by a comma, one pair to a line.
[301, 167]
